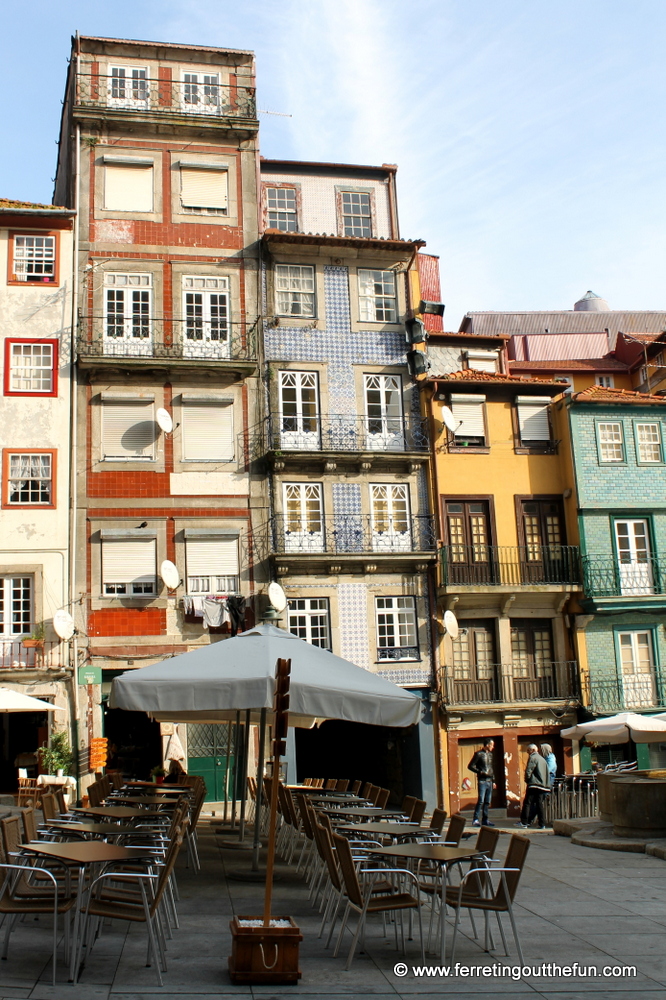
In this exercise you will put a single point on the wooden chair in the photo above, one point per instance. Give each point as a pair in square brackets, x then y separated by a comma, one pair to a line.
[365, 790]
[28, 792]
[342, 785]
[437, 821]
[330, 784]
[49, 807]
[29, 822]
[455, 830]
[408, 805]
[355, 787]
[418, 811]
[382, 798]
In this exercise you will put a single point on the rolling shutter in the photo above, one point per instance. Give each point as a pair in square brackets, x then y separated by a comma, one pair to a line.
[208, 432]
[128, 560]
[128, 430]
[482, 361]
[203, 188]
[468, 412]
[533, 418]
[212, 556]
[128, 188]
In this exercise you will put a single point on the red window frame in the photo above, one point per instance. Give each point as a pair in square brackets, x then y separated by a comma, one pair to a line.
[11, 273]
[8, 391]
[6, 453]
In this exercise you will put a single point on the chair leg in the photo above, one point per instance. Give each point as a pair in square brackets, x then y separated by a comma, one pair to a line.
[455, 935]
[359, 928]
[501, 930]
[515, 934]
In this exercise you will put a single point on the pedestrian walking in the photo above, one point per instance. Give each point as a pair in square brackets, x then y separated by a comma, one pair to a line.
[536, 780]
[482, 765]
[547, 753]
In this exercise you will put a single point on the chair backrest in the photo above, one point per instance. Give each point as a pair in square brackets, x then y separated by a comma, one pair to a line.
[408, 805]
[325, 821]
[307, 781]
[29, 821]
[11, 835]
[116, 779]
[342, 785]
[515, 858]
[355, 787]
[60, 798]
[28, 791]
[325, 848]
[383, 798]
[366, 788]
[418, 811]
[348, 870]
[95, 794]
[302, 806]
[455, 829]
[252, 788]
[437, 820]
[486, 842]
[374, 794]
[49, 806]
[330, 784]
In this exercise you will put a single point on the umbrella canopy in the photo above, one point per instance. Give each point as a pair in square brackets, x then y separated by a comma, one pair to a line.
[620, 729]
[238, 674]
[14, 701]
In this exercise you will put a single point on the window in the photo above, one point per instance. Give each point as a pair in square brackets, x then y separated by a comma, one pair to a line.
[128, 86]
[606, 380]
[634, 559]
[16, 614]
[377, 296]
[33, 259]
[309, 620]
[295, 286]
[473, 675]
[281, 209]
[533, 422]
[468, 413]
[201, 92]
[207, 322]
[128, 185]
[204, 189]
[390, 517]
[212, 563]
[611, 442]
[208, 430]
[541, 530]
[533, 670]
[638, 680]
[129, 430]
[396, 628]
[29, 478]
[31, 367]
[468, 553]
[482, 361]
[648, 441]
[299, 411]
[303, 517]
[127, 305]
[356, 214]
[128, 565]
[383, 408]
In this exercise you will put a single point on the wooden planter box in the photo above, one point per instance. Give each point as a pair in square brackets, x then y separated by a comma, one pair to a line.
[32, 643]
[264, 954]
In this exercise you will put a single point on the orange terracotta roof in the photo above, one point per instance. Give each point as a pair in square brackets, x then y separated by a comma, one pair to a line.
[471, 337]
[8, 204]
[589, 364]
[471, 375]
[602, 394]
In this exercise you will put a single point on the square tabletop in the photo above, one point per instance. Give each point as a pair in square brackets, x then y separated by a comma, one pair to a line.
[117, 812]
[427, 852]
[144, 800]
[85, 852]
[98, 829]
[384, 829]
[157, 790]
[371, 812]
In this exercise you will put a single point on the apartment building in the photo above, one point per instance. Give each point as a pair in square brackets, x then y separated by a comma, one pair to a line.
[36, 355]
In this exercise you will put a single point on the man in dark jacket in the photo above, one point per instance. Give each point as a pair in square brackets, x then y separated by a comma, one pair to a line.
[482, 765]
[538, 786]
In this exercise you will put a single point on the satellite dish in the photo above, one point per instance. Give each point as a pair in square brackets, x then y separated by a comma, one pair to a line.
[63, 624]
[169, 573]
[277, 596]
[451, 624]
[449, 419]
[164, 422]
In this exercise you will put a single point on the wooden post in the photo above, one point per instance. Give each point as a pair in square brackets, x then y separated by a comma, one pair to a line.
[281, 710]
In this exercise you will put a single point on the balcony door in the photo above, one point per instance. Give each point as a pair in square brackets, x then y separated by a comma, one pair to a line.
[532, 666]
[303, 517]
[633, 556]
[390, 517]
[542, 535]
[638, 682]
[127, 315]
[206, 319]
[468, 554]
[474, 675]
[299, 411]
[384, 430]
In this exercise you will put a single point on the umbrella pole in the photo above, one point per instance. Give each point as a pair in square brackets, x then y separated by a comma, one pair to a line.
[234, 779]
[243, 786]
[226, 774]
[256, 846]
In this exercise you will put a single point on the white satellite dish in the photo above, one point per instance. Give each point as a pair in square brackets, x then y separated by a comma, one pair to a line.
[164, 421]
[449, 419]
[451, 624]
[63, 624]
[277, 596]
[169, 573]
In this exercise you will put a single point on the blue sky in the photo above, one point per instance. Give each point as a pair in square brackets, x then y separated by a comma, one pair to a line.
[529, 136]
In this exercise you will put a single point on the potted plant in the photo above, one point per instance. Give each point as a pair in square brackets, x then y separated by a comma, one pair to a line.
[158, 775]
[57, 756]
[36, 638]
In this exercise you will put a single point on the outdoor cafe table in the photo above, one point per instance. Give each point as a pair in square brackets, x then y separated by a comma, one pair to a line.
[165, 786]
[372, 812]
[395, 830]
[117, 812]
[437, 853]
[83, 853]
[91, 829]
[144, 800]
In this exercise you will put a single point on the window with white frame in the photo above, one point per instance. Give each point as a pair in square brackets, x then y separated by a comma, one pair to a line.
[377, 296]
[299, 410]
[128, 185]
[396, 628]
[128, 566]
[127, 306]
[204, 189]
[356, 212]
[34, 258]
[31, 367]
[16, 605]
[638, 680]
[606, 380]
[295, 290]
[303, 517]
[469, 415]
[611, 441]
[208, 429]
[129, 431]
[482, 361]
[309, 619]
[212, 563]
[281, 209]
[30, 478]
[648, 440]
[206, 308]
[128, 86]
[533, 419]
[201, 92]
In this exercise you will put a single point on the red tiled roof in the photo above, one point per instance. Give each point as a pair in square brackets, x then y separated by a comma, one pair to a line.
[7, 204]
[606, 363]
[472, 375]
[278, 235]
[602, 394]
[471, 337]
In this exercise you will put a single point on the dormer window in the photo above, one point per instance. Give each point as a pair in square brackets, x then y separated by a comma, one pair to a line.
[482, 361]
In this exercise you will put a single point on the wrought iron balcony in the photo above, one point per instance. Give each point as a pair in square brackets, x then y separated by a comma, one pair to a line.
[606, 696]
[102, 340]
[394, 654]
[605, 576]
[47, 655]
[346, 433]
[510, 565]
[513, 682]
[353, 534]
[200, 98]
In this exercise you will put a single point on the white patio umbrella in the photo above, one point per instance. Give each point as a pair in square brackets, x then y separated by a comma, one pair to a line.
[620, 729]
[14, 701]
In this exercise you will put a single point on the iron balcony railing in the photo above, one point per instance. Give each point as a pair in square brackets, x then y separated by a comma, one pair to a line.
[605, 576]
[395, 653]
[510, 565]
[625, 694]
[513, 682]
[47, 655]
[164, 339]
[346, 433]
[199, 95]
[353, 534]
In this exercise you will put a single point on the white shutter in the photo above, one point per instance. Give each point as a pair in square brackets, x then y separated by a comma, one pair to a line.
[128, 560]
[533, 418]
[468, 412]
[203, 188]
[482, 361]
[128, 430]
[212, 557]
[208, 432]
[127, 188]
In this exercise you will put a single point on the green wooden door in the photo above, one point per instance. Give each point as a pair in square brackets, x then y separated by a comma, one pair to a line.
[208, 756]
